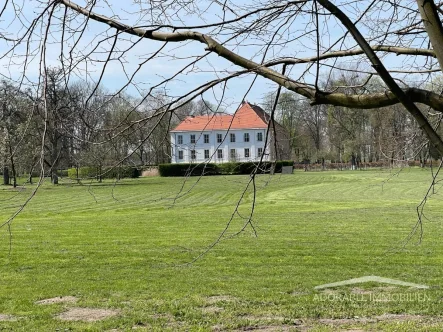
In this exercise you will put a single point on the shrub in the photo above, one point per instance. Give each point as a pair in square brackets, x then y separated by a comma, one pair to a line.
[83, 172]
[63, 173]
[120, 172]
[281, 163]
[231, 168]
[105, 172]
[228, 168]
[187, 169]
[249, 167]
[265, 167]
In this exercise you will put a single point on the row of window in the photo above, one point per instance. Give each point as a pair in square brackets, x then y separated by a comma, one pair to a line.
[233, 153]
[232, 138]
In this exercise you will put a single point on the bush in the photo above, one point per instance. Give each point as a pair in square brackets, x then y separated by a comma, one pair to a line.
[281, 163]
[63, 173]
[228, 168]
[265, 167]
[83, 172]
[120, 172]
[231, 168]
[187, 169]
[105, 173]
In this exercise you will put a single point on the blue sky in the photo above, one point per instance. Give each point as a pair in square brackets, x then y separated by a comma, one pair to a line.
[173, 56]
[115, 74]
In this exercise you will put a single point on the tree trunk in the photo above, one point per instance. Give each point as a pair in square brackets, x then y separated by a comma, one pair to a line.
[5, 176]
[30, 176]
[54, 178]
[14, 175]
[100, 171]
[353, 163]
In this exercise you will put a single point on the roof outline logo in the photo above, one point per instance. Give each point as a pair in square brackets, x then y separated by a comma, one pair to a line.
[371, 279]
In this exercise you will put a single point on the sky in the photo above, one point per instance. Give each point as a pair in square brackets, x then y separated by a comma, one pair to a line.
[116, 73]
[172, 57]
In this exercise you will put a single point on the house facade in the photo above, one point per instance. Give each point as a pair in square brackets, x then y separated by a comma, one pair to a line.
[227, 138]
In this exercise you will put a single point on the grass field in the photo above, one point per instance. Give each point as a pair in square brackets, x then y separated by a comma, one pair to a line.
[128, 253]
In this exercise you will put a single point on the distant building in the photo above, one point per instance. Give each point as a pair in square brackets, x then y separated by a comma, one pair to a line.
[224, 138]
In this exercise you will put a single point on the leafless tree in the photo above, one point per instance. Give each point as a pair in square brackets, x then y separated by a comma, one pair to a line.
[370, 33]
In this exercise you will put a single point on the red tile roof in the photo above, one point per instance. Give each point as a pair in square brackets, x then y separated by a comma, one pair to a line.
[247, 117]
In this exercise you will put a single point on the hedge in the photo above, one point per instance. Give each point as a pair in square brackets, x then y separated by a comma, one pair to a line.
[220, 169]
[187, 169]
[63, 173]
[105, 173]
[120, 172]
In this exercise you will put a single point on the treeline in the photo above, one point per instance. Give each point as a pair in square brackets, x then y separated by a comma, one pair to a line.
[76, 125]
[341, 135]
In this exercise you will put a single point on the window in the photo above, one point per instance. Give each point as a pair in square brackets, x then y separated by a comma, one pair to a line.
[246, 153]
[193, 154]
[219, 138]
[206, 154]
[246, 137]
[220, 154]
[232, 137]
[259, 137]
[259, 152]
[206, 138]
[180, 139]
[233, 155]
[180, 154]
[192, 139]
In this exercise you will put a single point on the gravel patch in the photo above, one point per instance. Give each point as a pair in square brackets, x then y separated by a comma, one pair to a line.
[87, 314]
[57, 300]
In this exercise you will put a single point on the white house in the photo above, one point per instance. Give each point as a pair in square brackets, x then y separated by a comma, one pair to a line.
[225, 138]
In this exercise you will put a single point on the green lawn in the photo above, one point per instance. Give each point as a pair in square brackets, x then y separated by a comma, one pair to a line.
[129, 253]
